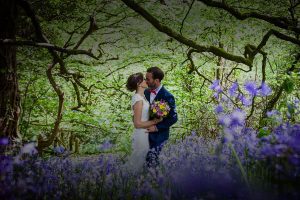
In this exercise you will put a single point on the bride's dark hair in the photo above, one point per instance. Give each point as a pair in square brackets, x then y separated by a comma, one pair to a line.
[133, 81]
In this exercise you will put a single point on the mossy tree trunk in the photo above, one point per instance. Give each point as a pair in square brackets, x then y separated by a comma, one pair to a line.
[9, 91]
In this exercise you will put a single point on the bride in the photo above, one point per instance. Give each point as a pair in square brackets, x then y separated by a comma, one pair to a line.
[140, 107]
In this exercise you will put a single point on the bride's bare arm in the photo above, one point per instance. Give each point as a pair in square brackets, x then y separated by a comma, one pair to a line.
[138, 123]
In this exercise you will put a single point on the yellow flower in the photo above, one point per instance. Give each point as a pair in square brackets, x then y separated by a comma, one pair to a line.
[161, 106]
[154, 110]
[165, 113]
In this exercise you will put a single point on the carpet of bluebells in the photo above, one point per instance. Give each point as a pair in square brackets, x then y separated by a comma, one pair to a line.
[242, 163]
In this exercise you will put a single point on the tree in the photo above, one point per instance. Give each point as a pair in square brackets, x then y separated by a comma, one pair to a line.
[9, 94]
[9, 98]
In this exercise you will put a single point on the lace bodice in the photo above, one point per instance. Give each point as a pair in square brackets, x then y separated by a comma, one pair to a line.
[146, 106]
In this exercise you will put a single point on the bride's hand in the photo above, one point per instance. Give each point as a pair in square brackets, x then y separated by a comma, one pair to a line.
[158, 120]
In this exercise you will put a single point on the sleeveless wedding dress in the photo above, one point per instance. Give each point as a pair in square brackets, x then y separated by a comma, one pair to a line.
[140, 141]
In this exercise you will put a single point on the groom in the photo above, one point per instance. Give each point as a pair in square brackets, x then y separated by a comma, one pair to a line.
[159, 133]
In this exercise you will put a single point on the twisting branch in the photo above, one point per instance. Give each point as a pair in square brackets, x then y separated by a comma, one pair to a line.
[182, 23]
[93, 27]
[47, 46]
[252, 108]
[45, 143]
[67, 43]
[165, 29]
[237, 68]
[193, 67]
[278, 35]
[281, 22]
[76, 77]
[79, 102]
[263, 67]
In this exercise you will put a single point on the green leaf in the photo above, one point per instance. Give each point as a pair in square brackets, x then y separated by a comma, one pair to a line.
[288, 85]
[291, 108]
[263, 132]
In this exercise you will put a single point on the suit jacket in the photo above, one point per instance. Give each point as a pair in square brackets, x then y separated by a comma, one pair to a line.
[157, 138]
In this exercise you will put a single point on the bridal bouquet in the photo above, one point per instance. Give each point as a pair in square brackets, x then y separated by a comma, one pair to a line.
[159, 109]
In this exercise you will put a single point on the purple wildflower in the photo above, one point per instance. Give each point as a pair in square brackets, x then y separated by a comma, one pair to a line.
[4, 141]
[105, 145]
[29, 149]
[219, 109]
[280, 149]
[265, 90]
[232, 90]
[244, 100]
[59, 149]
[294, 159]
[272, 113]
[216, 95]
[224, 120]
[238, 118]
[267, 150]
[216, 86]
[250, 87]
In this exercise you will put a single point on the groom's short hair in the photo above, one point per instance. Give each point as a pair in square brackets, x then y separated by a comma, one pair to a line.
[157, 73]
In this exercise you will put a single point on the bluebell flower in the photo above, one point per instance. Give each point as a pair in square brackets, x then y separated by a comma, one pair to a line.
[59, 149]
[224, 120]
[4, 141]
[29, 149]
[216, 95]
[233, 89]
[275, 115]
[294, 142]
[267, 150]
[244, 100]
[250, 87]
[216, 86]
[272, 113]
[294, 159]
[238, 118]
[105, 145]
[219, 109]
[280, 149]
[194, 133]
[265, 90]
[225, 99]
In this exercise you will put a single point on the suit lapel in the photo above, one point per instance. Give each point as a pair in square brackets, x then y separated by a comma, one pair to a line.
[159, 94]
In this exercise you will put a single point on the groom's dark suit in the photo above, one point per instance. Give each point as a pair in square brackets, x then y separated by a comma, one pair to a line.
[156, 139]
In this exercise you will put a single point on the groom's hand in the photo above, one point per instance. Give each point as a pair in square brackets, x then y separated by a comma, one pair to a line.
[152, 129]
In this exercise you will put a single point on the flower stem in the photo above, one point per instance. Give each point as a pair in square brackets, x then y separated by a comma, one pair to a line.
[239, 164]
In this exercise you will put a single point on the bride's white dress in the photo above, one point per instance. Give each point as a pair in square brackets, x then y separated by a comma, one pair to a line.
[140, 141]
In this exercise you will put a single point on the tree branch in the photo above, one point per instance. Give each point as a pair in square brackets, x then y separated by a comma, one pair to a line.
[93, 27]
[47, 46]
[165, 29]
[182, 23]
[45, 143]
[278, 35]
[281, 22]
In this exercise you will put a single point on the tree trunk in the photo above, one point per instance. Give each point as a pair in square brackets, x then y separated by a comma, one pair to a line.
[9, 92]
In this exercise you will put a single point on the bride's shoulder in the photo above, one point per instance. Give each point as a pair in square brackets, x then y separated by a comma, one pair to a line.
[136, 97]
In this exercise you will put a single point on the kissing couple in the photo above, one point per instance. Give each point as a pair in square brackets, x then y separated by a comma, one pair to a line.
[150, 133]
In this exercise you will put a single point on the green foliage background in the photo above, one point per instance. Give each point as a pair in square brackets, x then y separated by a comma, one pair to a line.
[128, 44]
